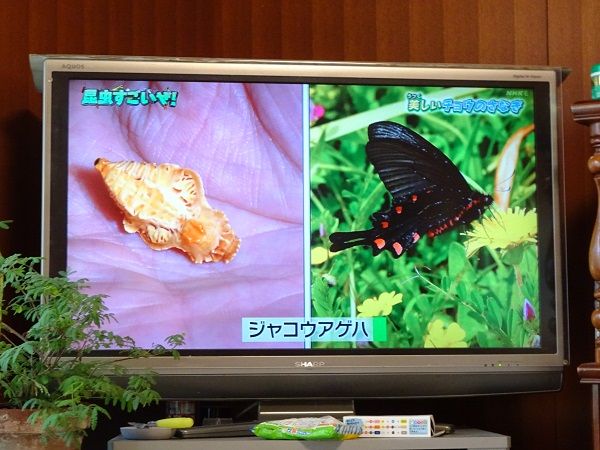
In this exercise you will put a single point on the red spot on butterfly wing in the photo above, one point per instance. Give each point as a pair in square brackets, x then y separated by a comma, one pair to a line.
[379, 243]
[398, 209]
[384, 224]
[397, 248]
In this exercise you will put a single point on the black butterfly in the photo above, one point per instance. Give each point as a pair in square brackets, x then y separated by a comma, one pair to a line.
[429, 194]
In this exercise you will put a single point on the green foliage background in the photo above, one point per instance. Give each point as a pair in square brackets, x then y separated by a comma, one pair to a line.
[483, 294]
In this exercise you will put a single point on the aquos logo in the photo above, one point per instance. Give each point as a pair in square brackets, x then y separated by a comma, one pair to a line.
[309, 363]
[73, 66]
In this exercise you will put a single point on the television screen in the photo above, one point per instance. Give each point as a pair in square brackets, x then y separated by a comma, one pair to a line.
[336, 218]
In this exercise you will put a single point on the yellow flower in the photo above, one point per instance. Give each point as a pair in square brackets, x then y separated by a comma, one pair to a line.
[503, 230]
[382, 306]
[318, 255]
[441, 336]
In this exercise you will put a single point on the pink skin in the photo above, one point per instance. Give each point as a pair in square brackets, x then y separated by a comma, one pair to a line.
[245, 142]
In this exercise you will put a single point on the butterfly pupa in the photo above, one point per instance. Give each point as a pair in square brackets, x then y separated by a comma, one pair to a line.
[166, 205]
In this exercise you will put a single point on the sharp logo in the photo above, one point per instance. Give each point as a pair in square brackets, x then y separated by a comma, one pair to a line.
[73, 66]
[308, 364]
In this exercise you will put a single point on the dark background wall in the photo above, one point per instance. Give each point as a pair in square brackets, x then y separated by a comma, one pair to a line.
[523, 32]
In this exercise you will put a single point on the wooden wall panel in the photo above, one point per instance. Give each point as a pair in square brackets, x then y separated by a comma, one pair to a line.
[327, 30]
[41, 29]
[19, 178]
[496, 28]
[94, 26]
[392, 34]
[266, 30]
[555, 32]
[207, 26]
[572, 43]
[119, 28]
[425, 25]
[589, 43]
[530, 30]
[144, 24]
[360, 31]
[70, 24]
[296, 29]
[235, 38]
[460, 31]
[164, 26]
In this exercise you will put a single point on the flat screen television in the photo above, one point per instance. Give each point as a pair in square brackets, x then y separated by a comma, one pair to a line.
[317, 230]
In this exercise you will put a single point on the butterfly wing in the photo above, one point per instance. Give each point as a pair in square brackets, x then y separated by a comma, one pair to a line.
[408, 164]
[434, 212]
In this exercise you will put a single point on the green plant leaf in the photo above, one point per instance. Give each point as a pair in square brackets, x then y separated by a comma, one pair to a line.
[44, 369]
[514, 255]
[457, 260]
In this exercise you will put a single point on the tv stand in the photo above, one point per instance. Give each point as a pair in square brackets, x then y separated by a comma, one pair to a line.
[284, 409]
[469, 439]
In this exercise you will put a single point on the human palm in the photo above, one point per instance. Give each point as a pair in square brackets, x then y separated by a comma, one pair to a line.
[245, 142]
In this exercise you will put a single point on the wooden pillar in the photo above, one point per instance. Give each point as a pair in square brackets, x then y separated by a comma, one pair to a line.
[588, 113]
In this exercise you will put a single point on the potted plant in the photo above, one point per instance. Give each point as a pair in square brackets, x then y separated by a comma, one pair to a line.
[45, 370]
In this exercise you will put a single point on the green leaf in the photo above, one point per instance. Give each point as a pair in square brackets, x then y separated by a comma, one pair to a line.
[38, 370]
[495, 313]
[323, 302]
[413, 325]
[514, 255]
[470, 321]
[457, 260]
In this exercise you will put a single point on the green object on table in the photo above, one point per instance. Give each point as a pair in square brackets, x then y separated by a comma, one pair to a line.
[595, 77]
[307, 428]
